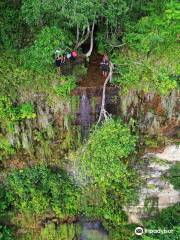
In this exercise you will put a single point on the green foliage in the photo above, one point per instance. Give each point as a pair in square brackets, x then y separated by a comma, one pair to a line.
[110, 183]
[65, 231]
[66, 86]
[154, 141]
[31, 11]
[11, 26]
[39, 56]
[106, 147]
[167, 219]
[148, 62]
[9, 114]
[174, 176]
[5, 233]
[6, 149]
[79, 71]
[15, 79]
[26, 111]
[4, 203]
[40, 189]
[148, 74]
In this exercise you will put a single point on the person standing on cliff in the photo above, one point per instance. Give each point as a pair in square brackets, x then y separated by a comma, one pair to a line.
[104, 65]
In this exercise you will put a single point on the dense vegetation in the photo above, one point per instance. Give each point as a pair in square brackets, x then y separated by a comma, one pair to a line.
[106, 173]
[174, 176]
[142, 38]
[166, 220]
[99, 179]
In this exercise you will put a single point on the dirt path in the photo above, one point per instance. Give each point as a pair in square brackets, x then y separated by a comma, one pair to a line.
[94, 76]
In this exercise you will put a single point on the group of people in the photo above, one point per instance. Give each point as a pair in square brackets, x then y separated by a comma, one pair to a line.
[62, 59]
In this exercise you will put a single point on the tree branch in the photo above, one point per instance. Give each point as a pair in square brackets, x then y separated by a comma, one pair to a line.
[83, 38]
[77, 35]
[91, 41]
[103, 112]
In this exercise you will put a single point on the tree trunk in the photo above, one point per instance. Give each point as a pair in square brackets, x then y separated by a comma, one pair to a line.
[83, 39]
[91, 41]
[103, 112]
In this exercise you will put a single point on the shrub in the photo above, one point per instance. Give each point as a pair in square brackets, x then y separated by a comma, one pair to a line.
[39, 56]
[5, 233]
[39, 189]
[66, 86]
[109, 181]
[175, 176]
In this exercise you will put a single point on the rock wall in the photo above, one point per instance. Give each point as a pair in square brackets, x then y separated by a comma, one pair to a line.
[153, 113]
[60, 123]
[156, 192]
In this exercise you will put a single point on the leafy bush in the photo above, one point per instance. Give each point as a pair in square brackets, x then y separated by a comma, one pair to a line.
[66, 86]
[167, 219]
[39, 189]
[109, 182]
[6, 148]
[175, 176]
[5, 233]
[149, 74]
[106, 147]
[9, 116]
[10, 113]
[147, 62]
[39, 56]
[26, 111]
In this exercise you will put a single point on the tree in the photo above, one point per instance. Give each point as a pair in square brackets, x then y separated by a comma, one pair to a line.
[77, 17]
[147, 61]
[39, 56]
[108, 182]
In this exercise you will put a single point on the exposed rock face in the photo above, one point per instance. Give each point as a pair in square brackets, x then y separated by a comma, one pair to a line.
[153, 113]
[56, 118]
[170, 153]
[157, 193]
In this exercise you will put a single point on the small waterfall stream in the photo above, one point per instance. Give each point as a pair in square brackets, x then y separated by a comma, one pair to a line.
[85, 116]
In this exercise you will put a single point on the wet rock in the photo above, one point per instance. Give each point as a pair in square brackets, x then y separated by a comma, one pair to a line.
[170, 153]
[156, 186]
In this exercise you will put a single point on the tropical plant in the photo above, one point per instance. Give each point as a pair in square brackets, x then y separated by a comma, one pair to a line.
[39, 56]
[174, 176]
[66, 86]
[6, 233]
[40, 189]
[104, 170]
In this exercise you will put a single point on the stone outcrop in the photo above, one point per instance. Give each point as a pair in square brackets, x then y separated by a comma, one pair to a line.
[157, 192]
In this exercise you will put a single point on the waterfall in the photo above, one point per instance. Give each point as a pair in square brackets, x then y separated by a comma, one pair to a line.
[85, 116]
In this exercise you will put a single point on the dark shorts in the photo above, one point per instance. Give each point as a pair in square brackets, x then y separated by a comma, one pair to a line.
[104, 67]
[58, 63]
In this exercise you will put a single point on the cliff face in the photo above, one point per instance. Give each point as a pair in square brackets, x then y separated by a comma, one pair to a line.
[154, 113]
[60, 123]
